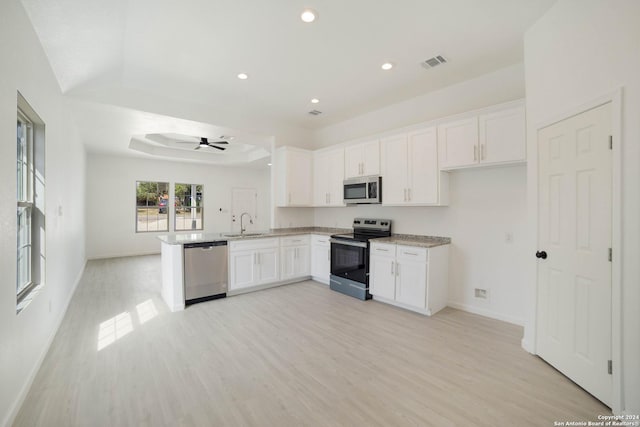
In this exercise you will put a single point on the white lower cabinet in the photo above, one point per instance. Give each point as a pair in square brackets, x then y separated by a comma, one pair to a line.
[294, 252]
[253, 262]
[411, 277]
[320, 258]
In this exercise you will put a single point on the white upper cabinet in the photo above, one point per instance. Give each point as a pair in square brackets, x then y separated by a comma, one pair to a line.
[328, 174]
[362, 159]
[495, 137]
[458, 141]
[502, 136]
[410, 174]
[294, 177]
[394, 170]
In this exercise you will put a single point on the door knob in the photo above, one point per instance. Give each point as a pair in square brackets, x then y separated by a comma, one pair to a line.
[541, 254]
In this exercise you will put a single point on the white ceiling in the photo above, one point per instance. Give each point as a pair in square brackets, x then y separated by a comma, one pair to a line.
[192, 50]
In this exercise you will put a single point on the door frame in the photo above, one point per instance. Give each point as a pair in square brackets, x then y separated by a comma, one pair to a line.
[615, 98]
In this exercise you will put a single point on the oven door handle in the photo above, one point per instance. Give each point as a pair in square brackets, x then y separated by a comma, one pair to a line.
[349, 243]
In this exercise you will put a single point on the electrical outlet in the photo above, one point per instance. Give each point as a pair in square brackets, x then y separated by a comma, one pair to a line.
[481, 293]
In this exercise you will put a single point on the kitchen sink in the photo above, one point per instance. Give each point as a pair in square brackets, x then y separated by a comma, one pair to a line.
[243, 234]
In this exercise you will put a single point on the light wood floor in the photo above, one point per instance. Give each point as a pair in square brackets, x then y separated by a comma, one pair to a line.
[296, 355]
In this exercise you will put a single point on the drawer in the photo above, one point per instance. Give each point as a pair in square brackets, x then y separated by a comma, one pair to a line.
[295, 240]
[320, 240]
[383, 249]
[412, 253]
[254, 243]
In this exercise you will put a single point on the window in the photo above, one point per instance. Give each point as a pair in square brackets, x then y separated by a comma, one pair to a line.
[30, 218]
[152, 206]
[189, 207]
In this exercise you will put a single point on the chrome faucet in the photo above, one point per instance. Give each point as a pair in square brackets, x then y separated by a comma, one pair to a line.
[242, 229]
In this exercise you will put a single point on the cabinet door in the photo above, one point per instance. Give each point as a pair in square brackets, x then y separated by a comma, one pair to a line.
[268, 269]
[299, 178]
[321, 180]
[424, 174]
[502, 136]
[353, 161]
[411, 283]
[394, 170]
[242, 269]
[382, 280]
[302, 261]
[371, 158]
[288, 262]
[335, 166]
[458, 143]
[320, 261]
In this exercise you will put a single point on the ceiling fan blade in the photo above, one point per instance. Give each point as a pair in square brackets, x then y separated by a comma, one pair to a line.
[218, 148]
[186, 142]
[218, 142]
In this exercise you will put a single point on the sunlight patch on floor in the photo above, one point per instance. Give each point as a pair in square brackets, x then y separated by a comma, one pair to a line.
[114, 329]
[146, 311]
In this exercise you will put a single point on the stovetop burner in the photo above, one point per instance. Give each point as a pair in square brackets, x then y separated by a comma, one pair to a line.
[367, 228]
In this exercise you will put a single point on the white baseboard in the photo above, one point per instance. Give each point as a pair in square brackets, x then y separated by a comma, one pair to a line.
[122, 255]
[17, 404]
[486, 313]
[526, 345]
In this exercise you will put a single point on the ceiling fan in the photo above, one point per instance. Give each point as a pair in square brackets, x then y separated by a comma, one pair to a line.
[204, 142]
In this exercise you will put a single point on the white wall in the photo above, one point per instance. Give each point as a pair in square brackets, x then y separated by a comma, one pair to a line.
[111, 183]
[25, 337]
[578, 51]
[500, 86]
[486, 204]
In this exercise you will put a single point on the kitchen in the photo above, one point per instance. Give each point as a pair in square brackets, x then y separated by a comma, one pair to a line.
[490, 215]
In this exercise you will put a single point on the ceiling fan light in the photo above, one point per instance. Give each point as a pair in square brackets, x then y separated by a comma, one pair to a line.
[243, 76]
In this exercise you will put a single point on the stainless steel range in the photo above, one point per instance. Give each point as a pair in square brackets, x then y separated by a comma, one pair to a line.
[350, 256]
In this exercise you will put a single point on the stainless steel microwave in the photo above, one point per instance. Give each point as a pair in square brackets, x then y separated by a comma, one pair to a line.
[366, 189]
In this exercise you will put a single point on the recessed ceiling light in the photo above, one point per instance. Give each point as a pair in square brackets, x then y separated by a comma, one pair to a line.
[268, 164]
[315, 100]
[387, 66]
[243, 76]
[309, 15]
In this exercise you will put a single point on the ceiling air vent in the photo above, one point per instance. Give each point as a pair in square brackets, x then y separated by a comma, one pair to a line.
[434, 62]
[315, 112]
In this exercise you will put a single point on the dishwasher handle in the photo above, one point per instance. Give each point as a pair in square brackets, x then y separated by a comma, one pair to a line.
[205, 245]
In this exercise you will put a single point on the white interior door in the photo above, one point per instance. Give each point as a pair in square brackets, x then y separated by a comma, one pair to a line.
[244, 200]
[574, 280]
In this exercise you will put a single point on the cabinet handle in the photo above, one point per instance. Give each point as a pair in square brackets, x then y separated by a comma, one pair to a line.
[408, 194]
[405, 194]
[329, 255]
[475, 153]
[392, 271]
[382, 250]
[410, 253]
[397, 269]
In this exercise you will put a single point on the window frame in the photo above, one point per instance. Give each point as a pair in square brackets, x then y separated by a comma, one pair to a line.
[158, 206]
[25, 201]
[191, 207]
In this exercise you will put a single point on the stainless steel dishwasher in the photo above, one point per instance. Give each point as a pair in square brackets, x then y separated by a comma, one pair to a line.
[205, 271]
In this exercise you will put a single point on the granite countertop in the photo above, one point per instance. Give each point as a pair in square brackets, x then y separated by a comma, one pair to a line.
[182, 239]
[415, 240]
